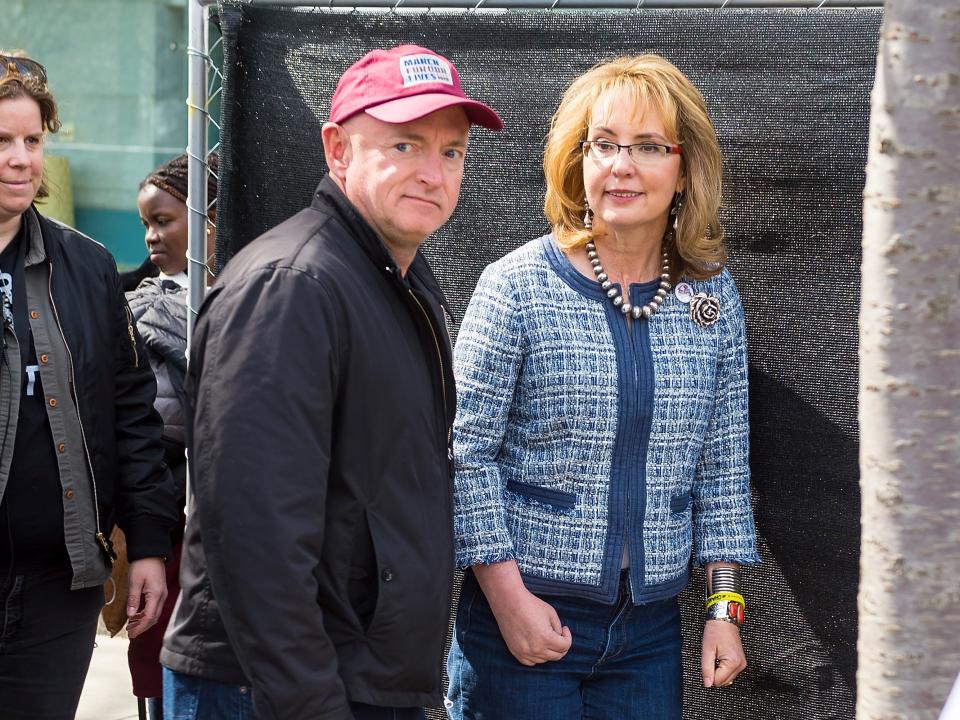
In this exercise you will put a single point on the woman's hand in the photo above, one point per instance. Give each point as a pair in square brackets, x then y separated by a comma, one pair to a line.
[722, 658]
[530, 627]
[148, 587]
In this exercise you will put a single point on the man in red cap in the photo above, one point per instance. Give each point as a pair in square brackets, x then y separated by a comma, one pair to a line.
[317, 565]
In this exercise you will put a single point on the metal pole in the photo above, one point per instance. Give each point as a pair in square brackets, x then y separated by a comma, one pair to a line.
[197, 53]
[574, 4]
[197, 57]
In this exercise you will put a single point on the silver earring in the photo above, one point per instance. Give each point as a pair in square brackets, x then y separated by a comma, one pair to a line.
[675, 210]
[587, 215]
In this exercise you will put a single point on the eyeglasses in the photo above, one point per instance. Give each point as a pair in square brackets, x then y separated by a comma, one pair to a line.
[24, 67]
[604, 151]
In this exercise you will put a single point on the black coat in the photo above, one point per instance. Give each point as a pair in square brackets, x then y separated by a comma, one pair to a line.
[324, 399]
[115, 399]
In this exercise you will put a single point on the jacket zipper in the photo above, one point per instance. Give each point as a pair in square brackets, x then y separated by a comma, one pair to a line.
[133, 339]
[76, 404]
[443, 389]
[443, 382]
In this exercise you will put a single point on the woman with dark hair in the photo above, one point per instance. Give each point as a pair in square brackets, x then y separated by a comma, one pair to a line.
[159, 306]
[165, 185]
[79, 438]
[601, 433]
[162, 203]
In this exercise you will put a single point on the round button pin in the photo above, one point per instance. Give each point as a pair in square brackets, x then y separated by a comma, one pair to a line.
[684, 292]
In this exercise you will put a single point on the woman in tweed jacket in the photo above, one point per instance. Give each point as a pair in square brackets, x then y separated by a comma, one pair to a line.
[601, 440]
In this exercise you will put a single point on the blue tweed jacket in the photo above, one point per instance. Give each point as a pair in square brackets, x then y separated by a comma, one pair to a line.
[575, 437]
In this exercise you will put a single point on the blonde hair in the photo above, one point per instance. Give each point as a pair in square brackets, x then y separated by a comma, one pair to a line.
[648, 82]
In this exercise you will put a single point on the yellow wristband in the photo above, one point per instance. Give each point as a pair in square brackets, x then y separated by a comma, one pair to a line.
[724, 597]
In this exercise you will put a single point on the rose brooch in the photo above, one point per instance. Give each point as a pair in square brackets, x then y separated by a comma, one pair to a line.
[704, 309]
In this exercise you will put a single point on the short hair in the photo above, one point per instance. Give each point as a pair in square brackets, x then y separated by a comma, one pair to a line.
[14, 86]
[649, 82]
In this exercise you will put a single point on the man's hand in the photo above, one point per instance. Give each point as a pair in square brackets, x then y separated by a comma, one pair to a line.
[148, 588]
[722, 658]
[530, 627]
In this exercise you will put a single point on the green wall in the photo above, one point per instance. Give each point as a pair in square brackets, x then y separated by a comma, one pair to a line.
[118, 69]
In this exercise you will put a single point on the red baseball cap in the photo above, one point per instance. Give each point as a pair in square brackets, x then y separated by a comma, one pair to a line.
[404, 84]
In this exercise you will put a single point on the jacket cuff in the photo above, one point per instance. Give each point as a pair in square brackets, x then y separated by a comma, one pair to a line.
[147, 536]
[489, 556]
[745, 557]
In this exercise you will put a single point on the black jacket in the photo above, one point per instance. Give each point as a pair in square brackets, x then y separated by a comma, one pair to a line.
[130, 279]
[324, 399]
[77, 301]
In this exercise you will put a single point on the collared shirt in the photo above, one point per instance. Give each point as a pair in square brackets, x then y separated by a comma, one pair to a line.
[72, 476]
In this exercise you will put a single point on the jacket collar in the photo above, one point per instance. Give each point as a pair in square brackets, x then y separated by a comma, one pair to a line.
[36, 252]
[329, 198]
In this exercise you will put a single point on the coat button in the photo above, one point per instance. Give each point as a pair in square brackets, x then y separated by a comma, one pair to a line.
[34, 314]
[53, 402]
[386, 575]
[61, 448]
[44, 359]
[68, 494]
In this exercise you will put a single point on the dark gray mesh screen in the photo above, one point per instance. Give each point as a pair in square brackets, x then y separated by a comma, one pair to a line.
[789, 93]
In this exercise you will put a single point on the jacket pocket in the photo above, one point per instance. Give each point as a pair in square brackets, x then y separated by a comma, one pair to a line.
[680, 503]
[363, 588]
[557, 499]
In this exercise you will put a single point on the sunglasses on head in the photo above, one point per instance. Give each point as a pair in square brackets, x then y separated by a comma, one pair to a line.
[24, 67]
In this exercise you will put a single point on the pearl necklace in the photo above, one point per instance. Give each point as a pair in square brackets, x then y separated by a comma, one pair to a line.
[637, 311]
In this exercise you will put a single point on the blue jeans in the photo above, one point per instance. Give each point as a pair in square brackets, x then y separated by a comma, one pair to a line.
[625, 664]
[187, 697]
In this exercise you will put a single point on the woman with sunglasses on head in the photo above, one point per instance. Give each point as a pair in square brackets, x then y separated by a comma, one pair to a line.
[601, 433]
[159, 306]
[79, 438]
